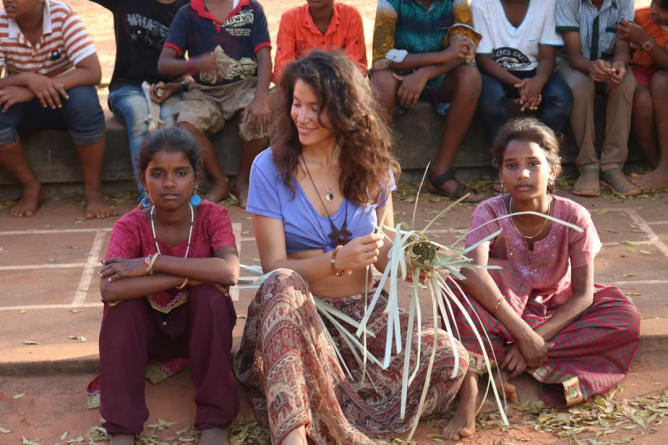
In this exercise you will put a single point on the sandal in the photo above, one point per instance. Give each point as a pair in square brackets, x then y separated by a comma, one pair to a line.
[459, 192]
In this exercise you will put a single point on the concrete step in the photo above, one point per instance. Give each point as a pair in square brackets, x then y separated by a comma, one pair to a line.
[417, 136]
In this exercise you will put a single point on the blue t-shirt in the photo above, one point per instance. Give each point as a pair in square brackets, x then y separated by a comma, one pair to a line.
[304, 228]
[242, 34]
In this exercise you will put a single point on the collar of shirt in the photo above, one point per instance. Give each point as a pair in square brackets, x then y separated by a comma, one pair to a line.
[334, 23]
[200, 8]
[15, 29]
[605, 5]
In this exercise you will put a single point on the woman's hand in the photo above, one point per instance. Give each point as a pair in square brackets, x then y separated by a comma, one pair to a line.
[534, 349]
[514, 362]
[360, 252]
[114, 269]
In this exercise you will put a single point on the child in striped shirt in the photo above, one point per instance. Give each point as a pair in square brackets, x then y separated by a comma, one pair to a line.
[50, 69]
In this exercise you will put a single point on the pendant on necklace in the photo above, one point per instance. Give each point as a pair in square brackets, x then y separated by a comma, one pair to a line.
[329, 196]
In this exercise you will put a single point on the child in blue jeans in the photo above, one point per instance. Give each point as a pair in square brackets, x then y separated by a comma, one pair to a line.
[517, 57]
[51, 70]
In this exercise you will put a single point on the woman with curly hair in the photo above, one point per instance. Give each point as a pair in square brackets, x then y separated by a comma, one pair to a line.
[315, 197]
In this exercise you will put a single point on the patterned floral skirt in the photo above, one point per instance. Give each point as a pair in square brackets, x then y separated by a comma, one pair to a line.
[294, 376]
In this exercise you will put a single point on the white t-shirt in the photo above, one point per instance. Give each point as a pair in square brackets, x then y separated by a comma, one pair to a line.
[515, 49]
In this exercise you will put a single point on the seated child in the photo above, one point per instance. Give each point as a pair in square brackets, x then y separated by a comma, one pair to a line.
[649, 36]
[164, 282]
[51, 70]
[321, 24]
[229, 56]
[423, 50]
[140, 29]
[542, 310]
[517, 57]
[597, 62]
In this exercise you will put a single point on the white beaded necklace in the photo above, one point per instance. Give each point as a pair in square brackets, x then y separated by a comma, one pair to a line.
[190, 232]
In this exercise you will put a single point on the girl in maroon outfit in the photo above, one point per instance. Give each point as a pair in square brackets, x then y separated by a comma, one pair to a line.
[164, 282]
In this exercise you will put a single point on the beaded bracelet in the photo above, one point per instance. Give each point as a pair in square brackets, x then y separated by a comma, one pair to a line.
[332, 262]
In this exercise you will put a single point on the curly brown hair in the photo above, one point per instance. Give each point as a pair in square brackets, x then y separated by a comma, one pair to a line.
[528, 129]
[365, 155]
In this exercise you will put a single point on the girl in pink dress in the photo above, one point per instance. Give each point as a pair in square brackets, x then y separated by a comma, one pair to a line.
[164, 282]
[542, 310]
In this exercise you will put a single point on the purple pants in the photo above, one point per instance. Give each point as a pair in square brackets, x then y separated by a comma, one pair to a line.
[133, 333]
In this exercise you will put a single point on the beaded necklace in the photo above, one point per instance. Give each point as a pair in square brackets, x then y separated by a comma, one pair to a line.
[190, 231]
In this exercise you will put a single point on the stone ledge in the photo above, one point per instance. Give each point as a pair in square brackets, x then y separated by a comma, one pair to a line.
[417, 134]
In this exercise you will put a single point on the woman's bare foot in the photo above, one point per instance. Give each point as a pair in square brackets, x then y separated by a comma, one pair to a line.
[652, 181]
[96, 206]
[30, 199]
[123, 439]
[296, 437]
[214, 436]
[463, 423]
[219, 190]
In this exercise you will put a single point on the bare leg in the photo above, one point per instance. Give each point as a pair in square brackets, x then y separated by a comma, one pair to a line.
[658, 178]
[463, 423]
[220, 187]
[123, 439]
[462, 88]
[14, 159]
[385, 87]
[214, 436]
[296, 437]
[643, 124]
[91, 157]
[250, 150]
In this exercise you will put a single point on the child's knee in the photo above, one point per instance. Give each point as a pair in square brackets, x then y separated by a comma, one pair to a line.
[659, 85]
[642, 101]
[384, 82]
[84, 116]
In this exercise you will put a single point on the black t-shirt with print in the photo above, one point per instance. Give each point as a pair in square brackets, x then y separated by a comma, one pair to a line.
[140, 27]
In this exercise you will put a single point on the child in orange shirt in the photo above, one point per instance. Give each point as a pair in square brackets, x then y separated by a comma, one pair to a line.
[321, 24]
[649, 33]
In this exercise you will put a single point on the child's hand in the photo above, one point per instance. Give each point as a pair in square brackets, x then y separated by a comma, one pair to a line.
[410, 89]
[160, 91]
[114, 269]
[617, 74]
[599, 70]
[530, 93]
[514, 362]
[47, 90]
[206, 63]
[461, 49]
[632, 32]
[10, 96]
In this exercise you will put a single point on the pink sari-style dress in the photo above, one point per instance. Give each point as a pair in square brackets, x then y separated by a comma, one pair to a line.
[591, 355]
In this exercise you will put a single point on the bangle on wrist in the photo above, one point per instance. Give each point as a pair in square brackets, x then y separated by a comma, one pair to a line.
[150, 262]
[190, 67]
[332, 262]
[497, 306]
[182, 285]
